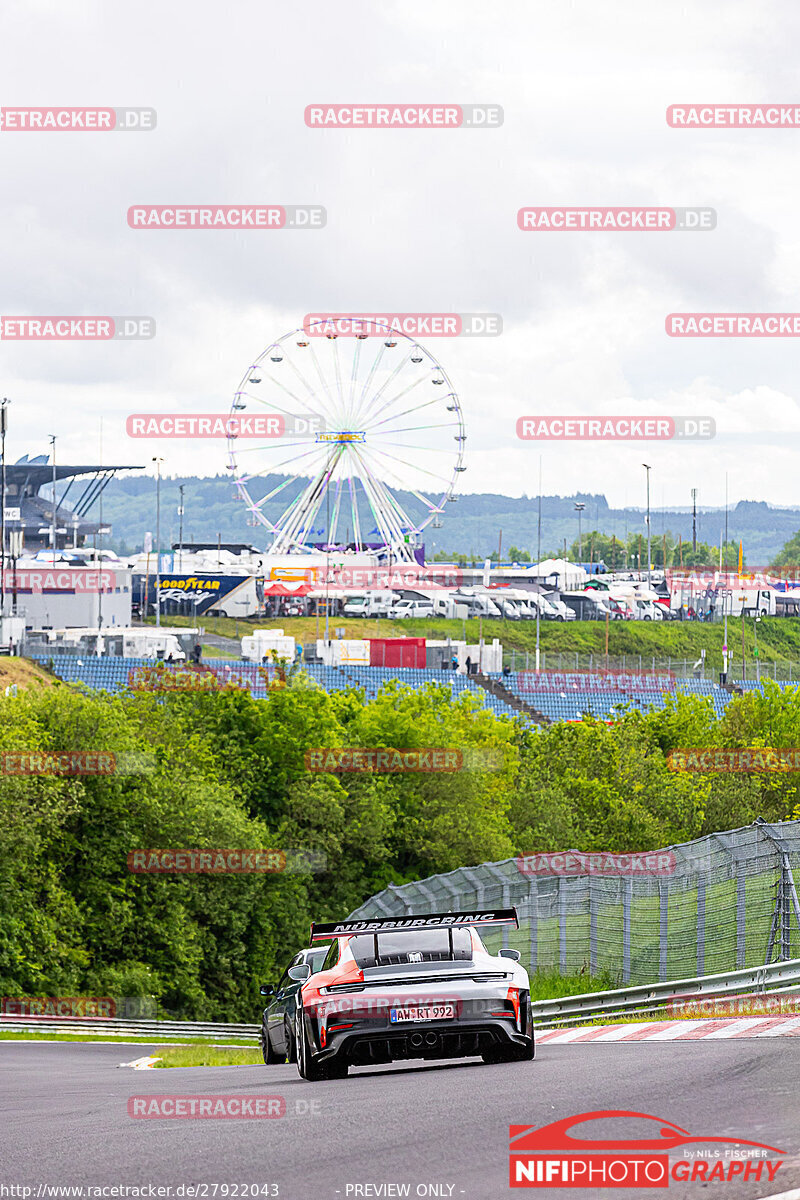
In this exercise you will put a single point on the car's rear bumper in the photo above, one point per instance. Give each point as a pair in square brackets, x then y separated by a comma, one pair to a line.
[377, 1039]
[429, 1040]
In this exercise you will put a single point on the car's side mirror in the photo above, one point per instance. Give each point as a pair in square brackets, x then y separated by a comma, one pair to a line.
[514, 955]
[267, 990]
[301, 972]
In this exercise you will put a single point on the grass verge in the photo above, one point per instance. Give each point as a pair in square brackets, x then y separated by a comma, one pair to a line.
[209, 1056]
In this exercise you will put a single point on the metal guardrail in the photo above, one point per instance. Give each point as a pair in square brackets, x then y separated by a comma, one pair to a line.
[647, 997]
[780, 977]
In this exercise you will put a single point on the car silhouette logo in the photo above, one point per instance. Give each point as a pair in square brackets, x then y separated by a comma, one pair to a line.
[556, 1136]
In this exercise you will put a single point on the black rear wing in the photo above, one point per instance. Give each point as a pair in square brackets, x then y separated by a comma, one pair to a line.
[324, 931]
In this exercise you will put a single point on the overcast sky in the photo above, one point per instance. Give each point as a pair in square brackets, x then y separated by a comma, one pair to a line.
[418, 220]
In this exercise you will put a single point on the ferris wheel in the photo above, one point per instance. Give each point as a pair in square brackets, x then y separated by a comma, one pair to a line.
[372, 440]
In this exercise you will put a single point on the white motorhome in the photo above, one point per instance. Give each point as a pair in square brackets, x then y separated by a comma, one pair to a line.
[725, 594]
[268, 643]
[479, 603]
[131, 642]
[371, 604]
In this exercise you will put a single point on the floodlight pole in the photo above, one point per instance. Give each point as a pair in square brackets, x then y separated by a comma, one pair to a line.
[649, 570]
[158, 462]
[53, 526]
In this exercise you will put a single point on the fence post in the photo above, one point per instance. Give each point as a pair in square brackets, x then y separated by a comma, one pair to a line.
[562, 923]
[740, 919]
[663, 897]
[592, 927]
[627, 893]
[701, 926]
[533, 919]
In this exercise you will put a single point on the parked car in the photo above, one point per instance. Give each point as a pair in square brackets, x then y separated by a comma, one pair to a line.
[279, 1017]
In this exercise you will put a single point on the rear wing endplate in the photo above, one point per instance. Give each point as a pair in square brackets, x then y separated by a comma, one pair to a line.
[324, 931]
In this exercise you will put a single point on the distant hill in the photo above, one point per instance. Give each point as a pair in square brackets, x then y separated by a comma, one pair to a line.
[471, 525]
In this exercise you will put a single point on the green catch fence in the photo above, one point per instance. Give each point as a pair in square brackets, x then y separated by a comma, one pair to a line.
[714, 905]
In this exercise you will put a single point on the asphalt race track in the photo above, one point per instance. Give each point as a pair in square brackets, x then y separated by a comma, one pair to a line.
[443, 1130]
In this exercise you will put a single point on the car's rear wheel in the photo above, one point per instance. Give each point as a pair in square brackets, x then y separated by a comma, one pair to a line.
[509, 1054]
[291, 1048]
[268, 1054]
[306, 1066]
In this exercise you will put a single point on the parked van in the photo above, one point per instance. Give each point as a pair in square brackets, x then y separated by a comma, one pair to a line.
[404, 609]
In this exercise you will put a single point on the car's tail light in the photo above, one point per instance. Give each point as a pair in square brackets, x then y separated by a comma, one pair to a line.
[513, 996]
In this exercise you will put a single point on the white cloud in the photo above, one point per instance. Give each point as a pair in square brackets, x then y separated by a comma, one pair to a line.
[417, 221]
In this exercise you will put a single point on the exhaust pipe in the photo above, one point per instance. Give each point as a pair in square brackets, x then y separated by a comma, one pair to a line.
[416, 1040]
[431, 1039]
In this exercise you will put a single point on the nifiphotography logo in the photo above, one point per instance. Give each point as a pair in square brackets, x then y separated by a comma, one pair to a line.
[551, 1156]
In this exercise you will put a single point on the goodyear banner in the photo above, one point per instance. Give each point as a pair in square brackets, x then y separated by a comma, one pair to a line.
[189, 593]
